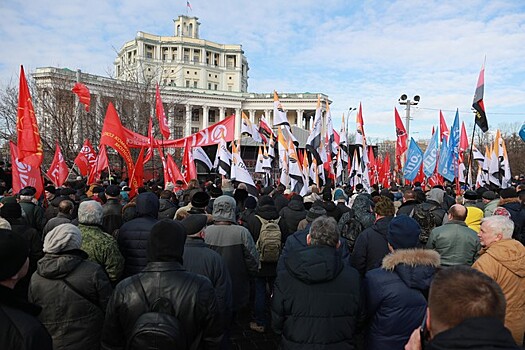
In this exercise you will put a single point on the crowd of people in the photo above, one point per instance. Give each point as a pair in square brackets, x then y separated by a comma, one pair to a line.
[87, 267]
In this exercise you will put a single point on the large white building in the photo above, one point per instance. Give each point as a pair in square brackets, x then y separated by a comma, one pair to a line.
[201, 83]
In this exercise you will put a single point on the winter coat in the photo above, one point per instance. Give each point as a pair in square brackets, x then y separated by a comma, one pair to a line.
[20, 329]
[436, 209]
[517, 215]
[477, 333]
[52, 209]
[456, 243]
[133, 235]
[407, 207]
[103, 250]
[73, 318]
[192, 296]
[199, 258]
[371, 246]
[167, 209]
[59, 219]
[504, 261]
[343, 208]
[362, 206]
[235, 245]
[331, 209]
[316, 300]
[267, 212]
[280, 201]
[396, 296]
[33, 214]
[293, 214]
[112, 217]
[490, 207]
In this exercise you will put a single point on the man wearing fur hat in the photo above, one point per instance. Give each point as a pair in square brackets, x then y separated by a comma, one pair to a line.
[19, 327]
[396, 292]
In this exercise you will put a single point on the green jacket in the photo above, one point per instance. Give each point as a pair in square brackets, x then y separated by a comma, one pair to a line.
[490, 207]
[455, 242]
[102, 249]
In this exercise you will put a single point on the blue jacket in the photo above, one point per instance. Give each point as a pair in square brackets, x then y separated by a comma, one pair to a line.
[396, 296]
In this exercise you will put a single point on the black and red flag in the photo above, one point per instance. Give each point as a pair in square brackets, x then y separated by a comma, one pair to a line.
[477, 104]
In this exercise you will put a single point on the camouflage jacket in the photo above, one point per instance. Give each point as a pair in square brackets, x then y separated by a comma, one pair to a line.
[102, 249]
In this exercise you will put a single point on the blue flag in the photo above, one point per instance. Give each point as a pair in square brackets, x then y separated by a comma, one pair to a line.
[430, 156]
[446, 155]
[454, 136]
[414, 160]
[522, 132]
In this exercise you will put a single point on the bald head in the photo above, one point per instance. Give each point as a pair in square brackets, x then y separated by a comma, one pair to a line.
[65, 206]
[457, 212]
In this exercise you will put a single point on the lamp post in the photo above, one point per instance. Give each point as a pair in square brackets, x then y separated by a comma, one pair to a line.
[350, 110]
[403, 100]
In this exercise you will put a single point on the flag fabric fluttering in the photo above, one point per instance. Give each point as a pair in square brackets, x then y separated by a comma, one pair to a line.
[446, 156]
[463, 142]
[332, 146]
[247, 127]
[58, 170]
[240, 172]
[314, 139]
[29, 146]
[430, 156]
[86, 158]
[477, 103]
[443, 128]
[401, 133]
[161, 116]
[101, 164]
[413, 162]
[173, 170]
[223, 158]
[294, 169]
[190, 170]
[83, 94]
[259, 162]
[264, 128]
[199, 155]
[188, 5]
[151, 142]
[279, 115]
[360, 134]
[138, 173]
[25, 175]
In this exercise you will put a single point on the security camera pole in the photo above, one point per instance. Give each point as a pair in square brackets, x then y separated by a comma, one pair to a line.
[403, 100]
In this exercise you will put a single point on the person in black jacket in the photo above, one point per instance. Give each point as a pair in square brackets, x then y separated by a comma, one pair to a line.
[371, 245]
[191, 295]
[72, 291]
[167, 206]
[112, 210]
[316, 299]
[267, 270]
[409, 202]
[133, 235]
[293, 213]
[19, 327]
[279, 198]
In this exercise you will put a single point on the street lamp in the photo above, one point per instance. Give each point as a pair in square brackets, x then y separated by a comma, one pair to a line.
[403, 100]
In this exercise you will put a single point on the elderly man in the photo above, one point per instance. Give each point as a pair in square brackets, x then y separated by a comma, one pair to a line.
[316, 298]
[100, 246]
[503, 259]
[456, 243]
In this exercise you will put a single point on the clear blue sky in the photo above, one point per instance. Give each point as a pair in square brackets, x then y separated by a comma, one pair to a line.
[354, 51]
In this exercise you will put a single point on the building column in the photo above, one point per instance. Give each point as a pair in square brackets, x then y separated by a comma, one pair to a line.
[300, 118]
[187, 130]
[252, 115]
[268, 116]
[221, 113]
[237, 123]
[205, 113]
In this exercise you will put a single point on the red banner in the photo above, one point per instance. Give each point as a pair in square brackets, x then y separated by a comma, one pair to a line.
[25, 175]
[83, 94]
[190, 170]
[101, 163]
[161, 116]
[209, 136]
[138, 174]
[86, 158]
[58, 170]
[173, 170]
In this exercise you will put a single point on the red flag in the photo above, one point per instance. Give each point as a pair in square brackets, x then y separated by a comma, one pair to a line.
[372, 166]
[100, 164]
[264, 128]
[161, 116]
[463, 142]
[113, 135]
[29, 143]
[86, 158]
[401, 144]
[58, 170]
[173, 169]
[149, 155]
[190, 171]
[385, 172]
[83, 94]
[25, 175]
[478, 105]
[443, 128]
[138, 174]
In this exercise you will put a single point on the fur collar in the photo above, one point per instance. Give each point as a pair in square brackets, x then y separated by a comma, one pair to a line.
[504, 201]
[412, 257]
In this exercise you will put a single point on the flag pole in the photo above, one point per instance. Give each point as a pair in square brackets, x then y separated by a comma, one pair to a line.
[471, 145]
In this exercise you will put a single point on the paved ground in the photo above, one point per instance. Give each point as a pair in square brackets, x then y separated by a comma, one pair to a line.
[243, 338]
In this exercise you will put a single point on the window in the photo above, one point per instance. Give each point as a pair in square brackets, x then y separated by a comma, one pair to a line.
[209, 86]
[187, 83]
[195, 116]
[215, 75]
[179, 115]
[178, 132]
[194, 130]
[195, 84]
[194, 73]
[211, 116]
[216, 86]
[229, 88]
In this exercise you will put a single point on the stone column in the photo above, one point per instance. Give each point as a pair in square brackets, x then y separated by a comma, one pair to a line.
[252, 115]
[187, 130]
[300, 122]
[221, 113]
[238, 123]
[205, 113]
[268, 116]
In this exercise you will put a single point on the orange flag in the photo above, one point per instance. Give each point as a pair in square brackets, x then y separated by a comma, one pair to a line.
[83, 94]
[29, 143]
[58, 170]
[113, 135]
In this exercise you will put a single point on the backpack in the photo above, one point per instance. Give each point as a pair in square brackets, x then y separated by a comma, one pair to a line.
[424, 216]
[158, 328]
[269, 243]
[350, 227]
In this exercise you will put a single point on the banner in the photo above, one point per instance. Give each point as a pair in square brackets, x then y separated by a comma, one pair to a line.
[25, 175]
[414, 160]
[86, 158]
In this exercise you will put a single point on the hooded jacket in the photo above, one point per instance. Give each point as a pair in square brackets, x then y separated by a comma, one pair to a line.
[396, 296]
[504, 261]
[167, 209]
[293, 214]
[133, 235]
[363, 211]
[316, 273]
[73, 320]
[371, 246]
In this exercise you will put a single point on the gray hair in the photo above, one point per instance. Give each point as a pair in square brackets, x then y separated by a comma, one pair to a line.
[90, 213]
[499, 224]
[324, 231]
[4, 224]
